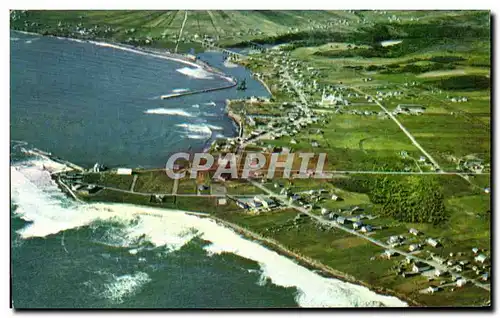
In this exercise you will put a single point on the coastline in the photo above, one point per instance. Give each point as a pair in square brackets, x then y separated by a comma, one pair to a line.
[267, 242]
[264, 84]
[309, 263]
[140, 50]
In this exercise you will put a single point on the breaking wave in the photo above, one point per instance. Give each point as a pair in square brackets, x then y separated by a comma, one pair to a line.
[197, 131]
[168, 111]
[198, 73]
[39, 201]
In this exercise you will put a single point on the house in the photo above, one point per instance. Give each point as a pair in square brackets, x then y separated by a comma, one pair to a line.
[485, 277]
[432, 289]
[458, 268]
[481, 258]
[432, 242]
[366, 228]
[410, 109]
[266, 202]
[357, 225]
[420, 267]
[463, 262]
[414, 247]
[124, 171]
[461, 282]
[332, 216]
[222, 201]
[389, 253]
[394, 239]
[475, 250]
[439, 272]
[324, 211]
[341, 220]
[242, 205]
[98, 167]
[336, 197]
[413, 231]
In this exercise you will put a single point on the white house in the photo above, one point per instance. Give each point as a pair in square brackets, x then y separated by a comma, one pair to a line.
[124, 171]
[420, 267]
[439, 272]
[366, 228]
[414, 247]
[481, 258]
[389, 253]
[432, 242]
[461, 282]
[413, 231]
[432, 289]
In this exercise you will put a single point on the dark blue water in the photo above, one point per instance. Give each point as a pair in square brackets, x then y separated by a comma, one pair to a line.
[89, 103]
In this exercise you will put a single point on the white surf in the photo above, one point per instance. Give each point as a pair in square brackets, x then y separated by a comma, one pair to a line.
[39, 200]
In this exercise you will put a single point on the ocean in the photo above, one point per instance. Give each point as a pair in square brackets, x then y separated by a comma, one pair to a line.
[85, 103]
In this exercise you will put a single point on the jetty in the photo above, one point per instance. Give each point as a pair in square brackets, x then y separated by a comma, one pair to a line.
[233, 83]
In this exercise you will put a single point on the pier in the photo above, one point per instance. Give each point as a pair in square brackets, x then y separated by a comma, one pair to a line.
[200, 91]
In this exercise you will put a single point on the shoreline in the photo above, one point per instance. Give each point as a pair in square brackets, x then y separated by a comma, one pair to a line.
[140, 50]
[264, 84]
[303, 260]
[311, 264]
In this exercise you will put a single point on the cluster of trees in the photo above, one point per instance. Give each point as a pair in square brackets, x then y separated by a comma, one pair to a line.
[415, 199]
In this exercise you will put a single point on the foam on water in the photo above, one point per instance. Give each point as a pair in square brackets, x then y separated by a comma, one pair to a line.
[39, 200]
[197, 131]
[198, 73]
[180, 90]
[169, 111]
[124, 286]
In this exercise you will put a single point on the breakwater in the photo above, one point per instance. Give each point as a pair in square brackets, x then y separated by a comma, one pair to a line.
[232, 83]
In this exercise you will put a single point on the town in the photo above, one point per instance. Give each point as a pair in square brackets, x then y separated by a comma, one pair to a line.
[404, 127]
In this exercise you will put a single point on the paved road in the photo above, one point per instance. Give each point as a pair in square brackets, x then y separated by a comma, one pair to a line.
[133, 183]
[182, 29]
[431, 159]
[413, 140]
[372, 240]
[175, 187]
